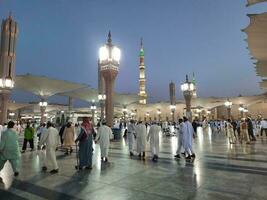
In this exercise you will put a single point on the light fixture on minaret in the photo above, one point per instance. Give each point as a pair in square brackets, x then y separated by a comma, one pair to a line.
[195, 88]
[142, 77]
[9, 33]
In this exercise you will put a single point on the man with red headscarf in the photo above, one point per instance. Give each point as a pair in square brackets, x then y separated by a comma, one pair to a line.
[85, 140]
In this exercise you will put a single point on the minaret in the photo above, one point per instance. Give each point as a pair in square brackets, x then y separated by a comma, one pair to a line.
[142, 78]
[172, 93]
[9, 33]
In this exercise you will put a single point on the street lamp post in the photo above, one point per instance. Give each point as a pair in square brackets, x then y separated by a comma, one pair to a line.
[109, 59]
[199, 113]
[93, 109]
[241, 110]
[245, 111]
[102, 98]
[172, 108]
[147, 115]
[228, 104]
[43, 104]
[159, 113]
[124, 111]
[188, 88]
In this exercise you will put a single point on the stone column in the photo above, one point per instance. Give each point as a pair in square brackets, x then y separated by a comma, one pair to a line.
[188, 98]
[229, 112]
[43, 118]
[93, 117]
[109, 77]
[4, 106]
[70, 105]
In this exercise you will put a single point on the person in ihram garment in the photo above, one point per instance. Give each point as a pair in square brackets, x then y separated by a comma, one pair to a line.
[104, 134]
[51, 140]
[141, 139]
[153, 138]
[130, 136]
[188, 134]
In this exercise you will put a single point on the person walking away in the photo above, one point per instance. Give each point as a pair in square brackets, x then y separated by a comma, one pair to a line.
[141, 133]
[153, 138]
[230, 132]
[68, 138]
[77, 130]
[238, 128]
[61, 131]
[195, 125]
[179, 139]
[130, 136]
[188, 134]
[250, 130]
[51, 140]
[263, 126]
[244, 132]
[40, 131]
[9, 148]
[28, 137]
[104, 135]
[85, 139]
[234, 124]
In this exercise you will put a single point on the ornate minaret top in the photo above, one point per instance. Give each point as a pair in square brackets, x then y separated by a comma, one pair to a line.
[142, 78]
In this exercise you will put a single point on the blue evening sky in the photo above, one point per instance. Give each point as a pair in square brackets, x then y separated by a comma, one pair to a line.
[61, 38]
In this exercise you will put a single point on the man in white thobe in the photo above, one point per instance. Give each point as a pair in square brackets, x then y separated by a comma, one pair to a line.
[104, 134]
[140, 131]
[153, 137]
[51, 139]
[180, 142]
[130, 136]
[188, 133]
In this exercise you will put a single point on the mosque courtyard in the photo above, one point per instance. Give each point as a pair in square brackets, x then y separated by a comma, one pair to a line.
[219, 171]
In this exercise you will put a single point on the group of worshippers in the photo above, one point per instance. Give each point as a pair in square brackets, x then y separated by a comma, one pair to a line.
[185, 136]
[138, 132]
[243, 130]
[49, 140]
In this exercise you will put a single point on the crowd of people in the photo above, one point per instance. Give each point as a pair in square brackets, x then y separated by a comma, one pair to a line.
[48, 138]
[245, 130]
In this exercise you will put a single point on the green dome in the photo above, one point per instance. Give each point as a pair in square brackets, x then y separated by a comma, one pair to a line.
[142, 53]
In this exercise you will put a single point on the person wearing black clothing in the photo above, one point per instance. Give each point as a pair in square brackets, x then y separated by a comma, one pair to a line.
[250, 130]
[234, 124]
[61, 131]
[195, 125]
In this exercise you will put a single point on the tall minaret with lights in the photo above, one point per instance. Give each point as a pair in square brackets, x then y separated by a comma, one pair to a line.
[142, 77]
[9, 33]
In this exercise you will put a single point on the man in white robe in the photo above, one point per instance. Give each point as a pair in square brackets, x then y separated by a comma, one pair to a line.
[188, 133]
[180, 142]
[104, 134]
[153, 137]
[51, 140]
[130, 136]
[140, 131]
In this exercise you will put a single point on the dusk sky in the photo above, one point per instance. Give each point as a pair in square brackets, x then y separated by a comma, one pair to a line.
[61, 38]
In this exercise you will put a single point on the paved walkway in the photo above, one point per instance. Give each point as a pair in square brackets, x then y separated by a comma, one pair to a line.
[220, 171]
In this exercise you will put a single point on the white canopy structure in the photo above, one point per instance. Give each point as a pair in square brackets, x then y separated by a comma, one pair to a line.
[257, 43]
[252, 2]
[44, 87]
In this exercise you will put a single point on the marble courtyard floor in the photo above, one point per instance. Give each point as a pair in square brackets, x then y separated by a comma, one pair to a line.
[220, 171]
